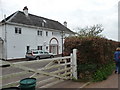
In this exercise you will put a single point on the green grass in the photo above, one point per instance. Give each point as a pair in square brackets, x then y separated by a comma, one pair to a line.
[90, 72]
[103, 72]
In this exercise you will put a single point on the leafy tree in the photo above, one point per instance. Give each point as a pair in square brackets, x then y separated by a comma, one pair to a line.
[94, 30]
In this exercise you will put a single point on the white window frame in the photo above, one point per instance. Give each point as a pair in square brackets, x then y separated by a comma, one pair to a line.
[18, 30]
[46, 33]
[39, 47]
[40, 33]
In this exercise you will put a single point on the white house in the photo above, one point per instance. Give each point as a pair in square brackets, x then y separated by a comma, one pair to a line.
[22, 31]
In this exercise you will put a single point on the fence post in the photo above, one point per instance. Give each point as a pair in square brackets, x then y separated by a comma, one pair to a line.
[71, 65]
[74, 63]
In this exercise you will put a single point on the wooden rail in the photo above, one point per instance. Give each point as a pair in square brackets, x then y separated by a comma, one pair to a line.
[63, 70]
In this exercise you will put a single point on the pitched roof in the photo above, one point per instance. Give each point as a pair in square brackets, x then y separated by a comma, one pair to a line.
[33, 20]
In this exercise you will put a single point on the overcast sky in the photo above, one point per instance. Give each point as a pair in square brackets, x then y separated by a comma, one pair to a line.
[77, 13]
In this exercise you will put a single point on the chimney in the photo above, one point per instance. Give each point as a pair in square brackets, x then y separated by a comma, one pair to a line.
[25, 10]
[65, 23]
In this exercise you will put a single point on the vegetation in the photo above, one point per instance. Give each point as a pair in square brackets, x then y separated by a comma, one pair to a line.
[103, 72]
[91, 31]
[94, 56]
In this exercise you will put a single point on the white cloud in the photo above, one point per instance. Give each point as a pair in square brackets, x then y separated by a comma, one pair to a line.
[78, 13]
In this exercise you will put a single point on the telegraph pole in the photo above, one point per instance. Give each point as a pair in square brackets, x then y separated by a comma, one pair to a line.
[62, 42]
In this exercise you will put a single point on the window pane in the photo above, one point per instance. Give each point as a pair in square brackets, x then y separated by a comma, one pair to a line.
[35, 52]
[37, 32]
[41, 52]
[41, 33]
[28, 48]
[46, 52]
[46, 33]
[16, 29]
[19, 31]
[39, 47]
[46, 47]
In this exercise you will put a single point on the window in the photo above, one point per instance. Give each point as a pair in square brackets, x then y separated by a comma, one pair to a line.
[55, 33]
[41, 52]
[35, 52]
[46, 47]
[39, 33]
[46, 33]
[18, 30]
[39, 47]
[43, 24]
[28, 48]
[45, 52]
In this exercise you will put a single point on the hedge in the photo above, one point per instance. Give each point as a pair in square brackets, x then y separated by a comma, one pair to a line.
[92, 52]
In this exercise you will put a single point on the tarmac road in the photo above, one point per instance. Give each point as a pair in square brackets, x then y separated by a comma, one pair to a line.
[10, 70]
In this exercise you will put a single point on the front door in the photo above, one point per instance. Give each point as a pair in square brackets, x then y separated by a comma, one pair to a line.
[54, 46]
[54, 49]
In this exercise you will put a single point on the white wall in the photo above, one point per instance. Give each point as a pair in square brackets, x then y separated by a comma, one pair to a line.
[1, 50]
[16, 43]
[0, 31]
[2, 43]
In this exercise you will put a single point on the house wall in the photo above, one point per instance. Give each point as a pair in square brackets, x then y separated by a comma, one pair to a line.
[1, 50]
[17, 43]
[0, 31]
[2, 42]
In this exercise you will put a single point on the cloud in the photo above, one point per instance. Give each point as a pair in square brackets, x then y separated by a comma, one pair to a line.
[78, 13]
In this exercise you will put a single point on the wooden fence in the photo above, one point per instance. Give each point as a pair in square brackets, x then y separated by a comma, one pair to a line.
[54, 71]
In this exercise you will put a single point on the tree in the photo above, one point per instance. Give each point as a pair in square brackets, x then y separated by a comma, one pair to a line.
[94, 30]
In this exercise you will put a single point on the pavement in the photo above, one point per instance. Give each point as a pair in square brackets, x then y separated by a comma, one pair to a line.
[111, 82]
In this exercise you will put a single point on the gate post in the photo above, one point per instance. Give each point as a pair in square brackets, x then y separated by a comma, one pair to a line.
[74, 63]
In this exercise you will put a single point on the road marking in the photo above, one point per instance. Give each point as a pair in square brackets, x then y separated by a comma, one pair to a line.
[85, 85]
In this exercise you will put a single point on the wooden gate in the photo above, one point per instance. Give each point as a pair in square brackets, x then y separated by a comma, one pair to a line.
[50, 71]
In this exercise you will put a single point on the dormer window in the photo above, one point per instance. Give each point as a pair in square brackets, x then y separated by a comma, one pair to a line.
[18, 30]
[43, 23]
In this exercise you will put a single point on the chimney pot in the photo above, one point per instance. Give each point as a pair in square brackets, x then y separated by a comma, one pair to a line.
[25, 10]
[65, 23]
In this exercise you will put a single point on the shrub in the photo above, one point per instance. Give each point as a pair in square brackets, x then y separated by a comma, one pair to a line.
[92, 54]
[103, 72]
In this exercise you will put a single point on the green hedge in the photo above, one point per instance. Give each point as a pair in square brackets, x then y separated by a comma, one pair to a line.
[103, 72]
[92, 53]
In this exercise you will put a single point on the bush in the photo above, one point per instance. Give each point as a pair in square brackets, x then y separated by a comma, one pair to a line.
[92, 54]
[103, 72]
[91, 49]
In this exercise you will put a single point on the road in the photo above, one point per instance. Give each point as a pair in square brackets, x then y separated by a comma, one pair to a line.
[13, 70]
